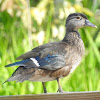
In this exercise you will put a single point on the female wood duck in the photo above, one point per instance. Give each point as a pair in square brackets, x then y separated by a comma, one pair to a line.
[56, 60]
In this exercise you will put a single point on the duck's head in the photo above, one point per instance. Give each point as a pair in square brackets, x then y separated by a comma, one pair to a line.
[78, 20]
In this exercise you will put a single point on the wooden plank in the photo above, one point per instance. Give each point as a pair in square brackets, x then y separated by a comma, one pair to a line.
[93, 95]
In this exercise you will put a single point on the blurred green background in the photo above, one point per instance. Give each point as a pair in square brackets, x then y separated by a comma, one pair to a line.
[25, 24]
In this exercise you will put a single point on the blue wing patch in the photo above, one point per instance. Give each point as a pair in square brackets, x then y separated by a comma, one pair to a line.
[51, 62]
[45, 61]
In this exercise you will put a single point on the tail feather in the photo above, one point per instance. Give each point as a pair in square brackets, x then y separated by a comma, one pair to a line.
[21, 74]
[19, 78]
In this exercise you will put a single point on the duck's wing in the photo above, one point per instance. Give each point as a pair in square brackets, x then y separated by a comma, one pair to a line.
[50, 56]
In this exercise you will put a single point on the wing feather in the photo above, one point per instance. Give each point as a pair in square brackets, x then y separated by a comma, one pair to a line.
[56, 48]
[44, 50]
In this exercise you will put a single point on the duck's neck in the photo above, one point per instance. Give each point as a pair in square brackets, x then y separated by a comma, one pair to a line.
[71, 36]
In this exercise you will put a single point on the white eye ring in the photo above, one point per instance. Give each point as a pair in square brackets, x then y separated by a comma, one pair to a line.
[78, 17]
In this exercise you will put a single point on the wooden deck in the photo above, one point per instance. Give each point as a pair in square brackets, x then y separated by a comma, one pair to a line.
[93, 95]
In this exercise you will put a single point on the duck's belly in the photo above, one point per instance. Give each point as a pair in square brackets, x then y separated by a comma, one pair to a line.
[42, 76]
[48, 75]
[42, 79]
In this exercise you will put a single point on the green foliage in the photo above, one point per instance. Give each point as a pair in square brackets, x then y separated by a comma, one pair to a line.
[14, 41]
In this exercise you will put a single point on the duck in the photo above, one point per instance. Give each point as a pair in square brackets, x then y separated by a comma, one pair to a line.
[55, 60]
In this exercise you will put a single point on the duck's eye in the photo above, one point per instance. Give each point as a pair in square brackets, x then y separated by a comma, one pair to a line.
[78, 18]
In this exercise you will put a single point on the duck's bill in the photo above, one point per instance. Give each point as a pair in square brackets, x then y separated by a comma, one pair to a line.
[88, 23]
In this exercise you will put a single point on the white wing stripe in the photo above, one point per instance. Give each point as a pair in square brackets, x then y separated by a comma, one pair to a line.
[35, 61]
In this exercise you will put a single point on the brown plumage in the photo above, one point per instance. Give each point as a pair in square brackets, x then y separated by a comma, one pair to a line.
[55, 60]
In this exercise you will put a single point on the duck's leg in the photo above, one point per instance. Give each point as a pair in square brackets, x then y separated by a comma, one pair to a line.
[59, 86]
[44, 88]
